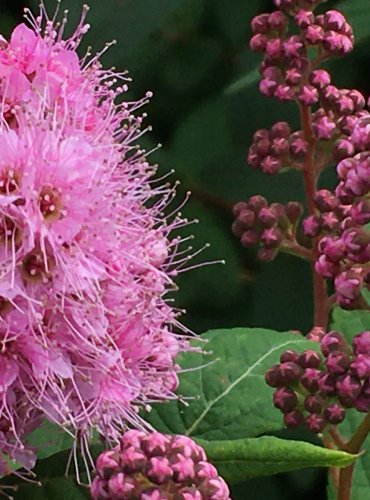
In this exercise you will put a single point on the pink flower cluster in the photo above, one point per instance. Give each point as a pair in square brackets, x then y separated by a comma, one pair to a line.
[336, 128]
[156, 466]
[316, 392]
[286, 68]
[86, 258]
[270, 226]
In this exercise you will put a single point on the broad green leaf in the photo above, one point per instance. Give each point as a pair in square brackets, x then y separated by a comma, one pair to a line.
[49, 439]
[228, 399]
[242, 459]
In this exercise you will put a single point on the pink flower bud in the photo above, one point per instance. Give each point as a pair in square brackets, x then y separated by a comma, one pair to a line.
[361, 343]
[310, 359]
[268, 87]
[348, 288]
[267, 216]
[247, 218]
[280, 147]
[273, 377]
[274, 48]
[304, 18]
[334, 414]
[327, 385]
[320, 79]
[348, 388]
[285, 399]
[259, 24]
[215, 489]
[337, 363]
[360, 367]
[281, 130]
[284, 93]
[308, 95]
[250, 237]
[332, 341]
[312, 226]
[343, 149]
[315, 423]
[107, 463]
[336, 44]
[310, 379]
[293, 47]
[293, 211]
[271, 165]
[362, 404]
[334, 20]
[257, 202]
[298, 146]
[313, 403]
[324, 128]
[293, 419]
[289, 373]
[314, 34]
[159, 470]
[327, 268]
[278, 21]
[289, 356]
[271, 237]
[293, 76]
[120, 486]
[258, 42]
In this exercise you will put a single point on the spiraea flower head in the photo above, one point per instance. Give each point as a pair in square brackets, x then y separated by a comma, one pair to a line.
[86, 254]
[157, 466]
[314, 389]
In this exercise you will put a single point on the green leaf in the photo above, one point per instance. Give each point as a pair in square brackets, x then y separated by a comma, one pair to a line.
[228, 399]
[242, 459]
[49, 439]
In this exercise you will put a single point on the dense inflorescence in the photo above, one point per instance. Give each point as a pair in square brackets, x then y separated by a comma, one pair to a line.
[315, 390]
[86, 258]
[294, 41]
[156, 466]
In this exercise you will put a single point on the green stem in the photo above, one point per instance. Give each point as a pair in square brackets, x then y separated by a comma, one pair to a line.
[310, 174]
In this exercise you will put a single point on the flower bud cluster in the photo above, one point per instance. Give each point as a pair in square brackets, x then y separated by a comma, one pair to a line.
[278, 148]
[156, 467]
[286, 70]
[315, 390]
[269, 226]
[344, 244]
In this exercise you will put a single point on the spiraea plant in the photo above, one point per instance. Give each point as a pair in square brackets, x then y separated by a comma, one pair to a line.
[92, 347]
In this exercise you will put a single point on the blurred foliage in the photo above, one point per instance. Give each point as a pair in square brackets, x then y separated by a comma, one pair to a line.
[189, 53]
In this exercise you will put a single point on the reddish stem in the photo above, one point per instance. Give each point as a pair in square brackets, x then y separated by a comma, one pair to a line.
[353, 446]
[310, 175]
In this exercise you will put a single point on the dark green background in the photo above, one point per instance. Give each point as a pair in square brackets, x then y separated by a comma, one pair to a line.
[189, 53]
